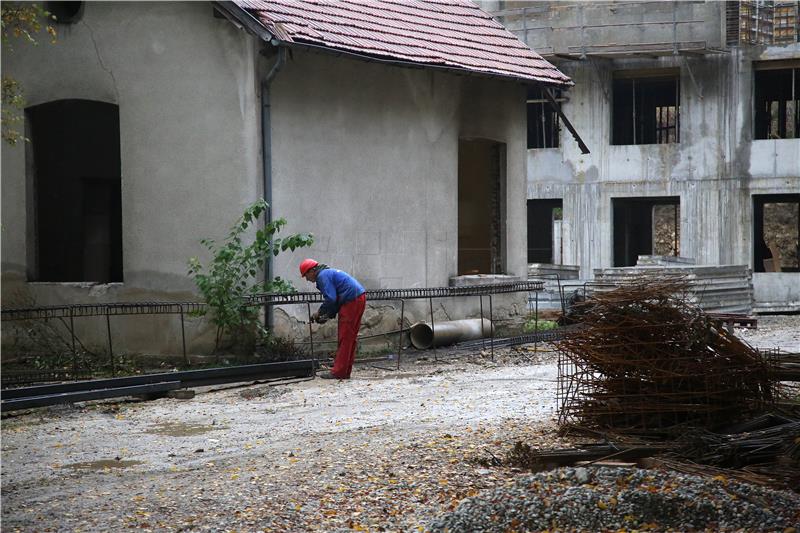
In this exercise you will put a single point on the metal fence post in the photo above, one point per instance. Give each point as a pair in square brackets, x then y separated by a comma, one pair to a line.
[310, 333]
[433, 330]
[491, 329]
[110, 345]
[72, 334]
[400, 340]
[183, 338]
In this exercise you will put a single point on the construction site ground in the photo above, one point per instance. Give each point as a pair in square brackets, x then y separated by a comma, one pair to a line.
[387, 450]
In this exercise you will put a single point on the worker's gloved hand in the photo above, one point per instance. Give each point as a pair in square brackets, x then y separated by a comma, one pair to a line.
[318, 319]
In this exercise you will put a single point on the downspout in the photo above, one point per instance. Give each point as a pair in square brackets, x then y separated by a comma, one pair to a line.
[266, 157]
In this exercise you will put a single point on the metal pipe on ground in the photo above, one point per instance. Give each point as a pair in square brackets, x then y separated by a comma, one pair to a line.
[424, 336]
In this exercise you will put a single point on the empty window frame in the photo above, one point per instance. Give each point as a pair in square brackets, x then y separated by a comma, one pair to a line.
[544, 231]
[776, 232]
[777, 101]
[543, 122]
[76, 192]
[646, 109]
[645, 226]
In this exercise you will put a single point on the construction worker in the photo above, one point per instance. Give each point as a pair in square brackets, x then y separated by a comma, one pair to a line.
[343, 295]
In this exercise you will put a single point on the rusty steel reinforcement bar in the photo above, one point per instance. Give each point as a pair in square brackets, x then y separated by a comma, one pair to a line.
[29, 402]
[404, 294]
[72, 311]
[71, 392]
[110, 309]
[25, 377]
[503, 342]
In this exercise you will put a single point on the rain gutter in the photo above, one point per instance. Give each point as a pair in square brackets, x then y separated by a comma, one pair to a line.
[266, 158]
[244, 20]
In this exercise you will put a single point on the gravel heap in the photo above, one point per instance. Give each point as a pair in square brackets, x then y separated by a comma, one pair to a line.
[610, 499]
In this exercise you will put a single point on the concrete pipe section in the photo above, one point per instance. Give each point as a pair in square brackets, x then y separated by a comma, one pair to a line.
[423, 336]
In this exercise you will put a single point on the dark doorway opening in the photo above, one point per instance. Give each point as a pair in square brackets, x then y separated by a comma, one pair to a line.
[543, 218]
[77, 212]
[645, 226]
[776, 232]
[481, 207]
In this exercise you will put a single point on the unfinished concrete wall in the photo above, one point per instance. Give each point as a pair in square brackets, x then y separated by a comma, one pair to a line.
[587, 27]
[714, 170]
[185, 85]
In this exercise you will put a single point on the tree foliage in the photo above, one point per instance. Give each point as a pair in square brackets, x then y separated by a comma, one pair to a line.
[21, 22]
[234, 269]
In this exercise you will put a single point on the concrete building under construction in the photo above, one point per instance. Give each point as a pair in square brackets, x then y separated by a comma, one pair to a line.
[691, 111]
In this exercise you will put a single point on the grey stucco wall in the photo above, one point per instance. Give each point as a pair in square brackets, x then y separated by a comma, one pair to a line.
[715, 169]
[366, 157]
[185, 85]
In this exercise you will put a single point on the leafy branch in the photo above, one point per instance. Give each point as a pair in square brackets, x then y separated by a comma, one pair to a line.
[20, 21]
[233, 271]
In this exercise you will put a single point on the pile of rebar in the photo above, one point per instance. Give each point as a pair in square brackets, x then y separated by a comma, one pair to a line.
[648, 362]
[763, 450]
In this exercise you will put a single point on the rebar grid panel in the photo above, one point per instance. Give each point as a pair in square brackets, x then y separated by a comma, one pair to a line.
[87, 310]
[403, 294]
[72, 311]
[648, 362]
[155, 308]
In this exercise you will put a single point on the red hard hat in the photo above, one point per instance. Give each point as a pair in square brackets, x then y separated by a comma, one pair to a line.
[307, 265]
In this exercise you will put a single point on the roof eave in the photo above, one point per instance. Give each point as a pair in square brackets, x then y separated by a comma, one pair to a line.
[242, 17]
[388, 60]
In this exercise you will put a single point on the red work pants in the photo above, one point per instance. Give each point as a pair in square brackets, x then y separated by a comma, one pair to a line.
[349, 324]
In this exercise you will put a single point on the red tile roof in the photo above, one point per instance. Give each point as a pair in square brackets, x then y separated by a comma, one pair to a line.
[453, 34]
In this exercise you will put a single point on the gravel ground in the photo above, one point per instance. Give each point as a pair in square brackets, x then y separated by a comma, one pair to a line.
[385, 451]
[613, 499]
[774, 331]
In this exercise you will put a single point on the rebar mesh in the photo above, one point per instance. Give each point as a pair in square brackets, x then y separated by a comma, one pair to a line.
[646, 361]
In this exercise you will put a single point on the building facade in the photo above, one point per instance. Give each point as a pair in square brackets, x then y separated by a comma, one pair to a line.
[152, 125]
[691, 112]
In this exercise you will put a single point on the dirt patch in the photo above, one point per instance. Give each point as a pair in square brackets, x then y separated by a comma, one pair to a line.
[102, 464]
[178, 429]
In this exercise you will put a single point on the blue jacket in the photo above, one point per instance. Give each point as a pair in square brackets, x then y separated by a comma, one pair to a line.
[337, 289]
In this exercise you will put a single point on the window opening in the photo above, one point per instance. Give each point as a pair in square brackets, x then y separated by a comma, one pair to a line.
[545, 231]
[777, 103]
[481, 232]
[776, 233]
[543, 122]
[646, 110]
[645, 226]
[77, 213]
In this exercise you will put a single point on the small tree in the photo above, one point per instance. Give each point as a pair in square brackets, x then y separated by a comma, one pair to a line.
[20, 20]
[233, 273]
